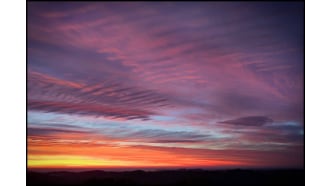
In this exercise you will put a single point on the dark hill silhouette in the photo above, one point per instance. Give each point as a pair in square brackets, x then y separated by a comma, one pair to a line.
[168, 177]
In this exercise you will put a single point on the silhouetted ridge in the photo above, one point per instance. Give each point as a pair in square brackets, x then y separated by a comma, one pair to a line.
[168, 178]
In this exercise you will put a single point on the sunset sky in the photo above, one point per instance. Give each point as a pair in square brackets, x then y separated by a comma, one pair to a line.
[172, 84]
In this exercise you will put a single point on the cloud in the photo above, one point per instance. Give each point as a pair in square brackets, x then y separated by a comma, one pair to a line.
[50, 94]
[271, 135]
[177, 141]
[156, 135]
[249, 121]
[32, 131]
[88, 109]
[124, 135]
[74, 11]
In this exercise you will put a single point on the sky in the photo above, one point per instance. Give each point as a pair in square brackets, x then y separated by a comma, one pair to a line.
[165, 85]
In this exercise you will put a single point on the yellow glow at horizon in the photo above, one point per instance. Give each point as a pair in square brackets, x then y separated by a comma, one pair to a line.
[80, 161]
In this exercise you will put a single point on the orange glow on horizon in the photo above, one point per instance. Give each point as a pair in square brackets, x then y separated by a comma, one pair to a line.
[43, 155]
[64, 161]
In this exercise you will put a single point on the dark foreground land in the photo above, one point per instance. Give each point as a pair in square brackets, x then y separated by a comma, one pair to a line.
[169, 177]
